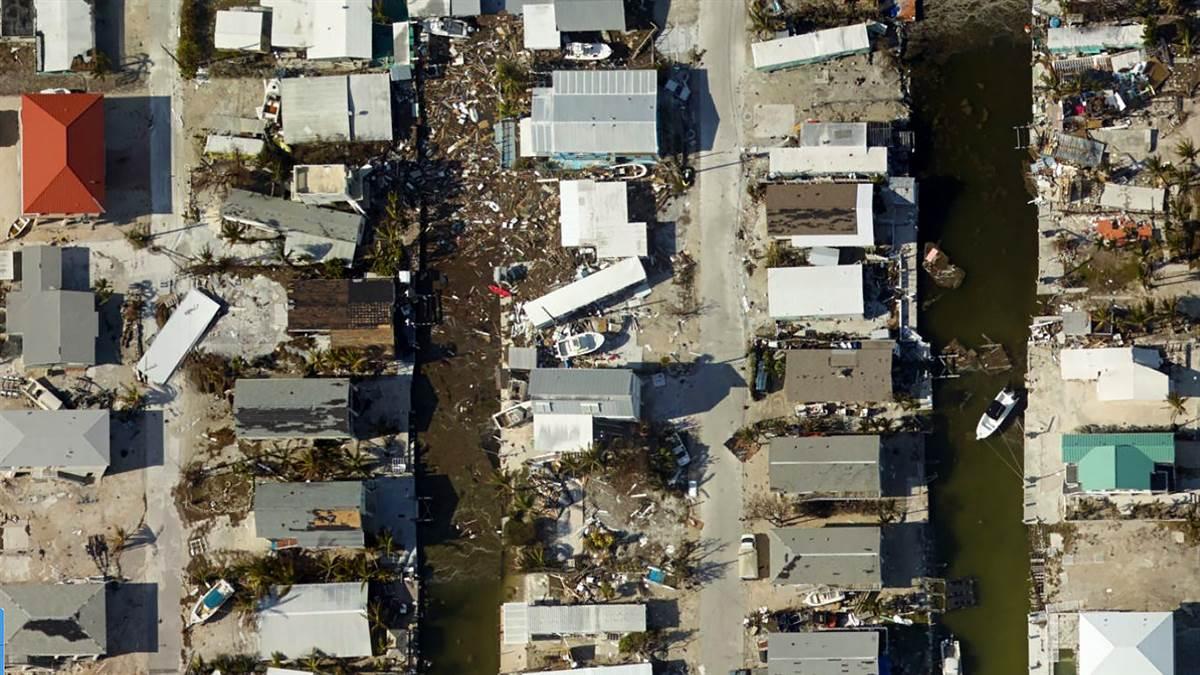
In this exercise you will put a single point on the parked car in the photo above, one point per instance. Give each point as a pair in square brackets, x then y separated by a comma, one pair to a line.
[679, 449]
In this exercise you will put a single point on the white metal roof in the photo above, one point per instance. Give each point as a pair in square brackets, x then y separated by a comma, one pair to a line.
[1133, 198]
[833, 290]
[340, 30]
[182, 331]
[541, 31]
[291, 24]
[595, 214]
[811, 47]
[827, 160]
[844, 134]
[401, 53]
[1126, 643]
[556, 434]
[521, 622]
[1121, 373]
[595, 111]
[1095, 37]
[218, 144]
[626, 669]
[328, 617]
[238, 30]
[562, 302]
[67, 31]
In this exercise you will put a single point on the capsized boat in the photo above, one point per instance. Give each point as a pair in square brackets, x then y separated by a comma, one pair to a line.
[998, 411]
[951, 658]
[578, 344]
[208, 604]
[822, 598]
[586, 51]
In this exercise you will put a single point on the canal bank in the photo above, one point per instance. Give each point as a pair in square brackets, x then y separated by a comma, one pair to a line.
[970, 84]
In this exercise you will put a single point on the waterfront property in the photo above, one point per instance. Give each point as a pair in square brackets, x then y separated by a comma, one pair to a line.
[1128, 462]
[827, 160]
[54, 622]
[821, 214]
[332, 618]
[833, 134]
[840, 375]
[311, 234]
[595, 215]
[57, 322]
[311, 515]
[279, 408]
[522, 623]
[1133, 198]
[1120, 373]
[593, 116]
[626, 276]
[336, 108]
[826, 465]
[614, 393]
[545, 21]
[840, 557]
[62, 154]
[1093, 39]
[827, 651]
[825, 291]
[1126, 643]
[814, 47]
[50, 442]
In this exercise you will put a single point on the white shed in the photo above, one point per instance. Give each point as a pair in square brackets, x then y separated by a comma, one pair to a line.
[238, 30]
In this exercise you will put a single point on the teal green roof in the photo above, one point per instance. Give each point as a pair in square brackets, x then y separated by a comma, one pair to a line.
[1117, 461]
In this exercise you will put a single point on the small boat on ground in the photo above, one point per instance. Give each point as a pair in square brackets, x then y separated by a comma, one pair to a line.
[578, 345]
[19, 227]
[629, 171]
[586, 51]
[822, 598]
[208, 604]
[998, 411]
[951, 658]
[455, 29]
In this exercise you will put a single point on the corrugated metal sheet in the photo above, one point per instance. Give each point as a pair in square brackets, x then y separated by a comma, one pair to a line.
[283, 215]
[814, 47]
[1094, 38]
[601, 392]
[331, 618]
[521, 623]
[597, 111]
[179, 336]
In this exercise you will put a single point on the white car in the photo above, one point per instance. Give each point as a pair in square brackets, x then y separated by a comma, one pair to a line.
[679, 450]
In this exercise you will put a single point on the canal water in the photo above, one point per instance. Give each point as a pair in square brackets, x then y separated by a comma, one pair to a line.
[970, 87]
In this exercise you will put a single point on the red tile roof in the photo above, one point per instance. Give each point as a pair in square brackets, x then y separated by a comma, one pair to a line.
[62, 153]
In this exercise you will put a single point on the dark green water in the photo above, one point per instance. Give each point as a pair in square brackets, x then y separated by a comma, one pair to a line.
[969, 92]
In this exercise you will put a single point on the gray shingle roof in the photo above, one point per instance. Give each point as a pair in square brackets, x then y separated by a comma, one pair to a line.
[603, 392]
[328, 617]
[841, 557]
[316, 515]
[823, 653]
[840, 375]
[286, 216]
[292, 408]
[56, 326]
[589, 15]
[54, 620]
[825, 464]
[54, 438]
[336, 108]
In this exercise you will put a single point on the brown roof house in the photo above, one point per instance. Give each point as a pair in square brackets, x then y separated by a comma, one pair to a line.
[840, 375]
[822, 214]
[353, 312]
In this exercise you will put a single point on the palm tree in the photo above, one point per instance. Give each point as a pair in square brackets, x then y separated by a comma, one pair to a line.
[103, 290]
[385, 542]
[328, 565]
[1158, 170]
[1177, 404]
[1187, 150]
[281, 253]
[139, 236]
[761, 21]
[131, 399]
[233, 233]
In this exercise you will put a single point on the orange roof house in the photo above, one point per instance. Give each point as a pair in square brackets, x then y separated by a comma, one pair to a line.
[62, 154]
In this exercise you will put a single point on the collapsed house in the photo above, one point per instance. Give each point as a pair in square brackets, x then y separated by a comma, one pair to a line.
[310, 233]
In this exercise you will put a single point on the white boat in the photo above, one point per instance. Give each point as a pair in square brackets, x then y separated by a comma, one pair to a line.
[455, 29]
[822, 598]
[951, 658]
[578, 345]
[586, 51]
[208, 604]
[998, 411]
[19, 228]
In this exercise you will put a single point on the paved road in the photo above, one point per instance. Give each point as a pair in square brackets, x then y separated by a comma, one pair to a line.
[166, 557]
[722, 327]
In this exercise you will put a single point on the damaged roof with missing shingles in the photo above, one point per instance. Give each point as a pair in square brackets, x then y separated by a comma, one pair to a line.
[292, 408]
[328, 304]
